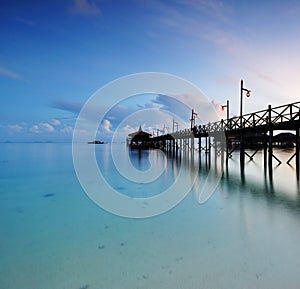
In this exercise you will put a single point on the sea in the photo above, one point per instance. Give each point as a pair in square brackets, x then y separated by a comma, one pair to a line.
[244, 234]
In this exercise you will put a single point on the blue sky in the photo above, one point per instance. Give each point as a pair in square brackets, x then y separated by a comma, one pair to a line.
[55, 54]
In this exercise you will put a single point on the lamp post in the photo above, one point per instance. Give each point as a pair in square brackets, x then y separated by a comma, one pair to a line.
[241, 103]
[242, 148]
[192, 120]
[227, 106]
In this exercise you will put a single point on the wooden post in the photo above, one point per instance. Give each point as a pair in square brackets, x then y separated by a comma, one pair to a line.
[270, 148]
[265, 150]
[270, 139]
[206, 150]
[227, 144]
[192, 143]
[209, 151]
[187, 142]
[216, 151]
[222, 153]
[297, 152]
[200, 148]
[242, 150]
[242, 146]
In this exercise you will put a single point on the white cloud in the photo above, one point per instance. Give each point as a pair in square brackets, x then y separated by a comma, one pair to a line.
[55, 122]
[67, 129]
[85, 7]
[127, 129]
[15, 127]
[35, 129]
[46, 127]
[106, 125]
[25, 21]
[41, 127]
[10, 73]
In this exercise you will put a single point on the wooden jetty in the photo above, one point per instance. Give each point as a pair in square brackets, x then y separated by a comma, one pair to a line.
[254, 130]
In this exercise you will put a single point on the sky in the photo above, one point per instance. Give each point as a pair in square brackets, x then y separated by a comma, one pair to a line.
[55, 54]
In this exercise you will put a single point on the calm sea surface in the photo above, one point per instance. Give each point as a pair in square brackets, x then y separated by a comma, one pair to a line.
[52, 236]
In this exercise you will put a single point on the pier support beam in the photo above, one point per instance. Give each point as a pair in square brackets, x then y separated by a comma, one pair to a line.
[270, 150]
[209, 151]
[242, 152]
[270, 142]
[192, 144]
[265, 150]
[199, 148]
[297, 152]
[227, 149]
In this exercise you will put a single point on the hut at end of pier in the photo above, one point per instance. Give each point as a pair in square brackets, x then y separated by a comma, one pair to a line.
[139, 139]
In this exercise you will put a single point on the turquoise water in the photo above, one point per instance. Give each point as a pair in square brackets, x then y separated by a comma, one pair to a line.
[52, 235]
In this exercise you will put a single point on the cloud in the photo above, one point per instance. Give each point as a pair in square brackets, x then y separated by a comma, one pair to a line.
[244, 47]
[200, 19]
[67, 129]
[10, 73]
[25, 21]
[84, 7]
[41, 127]
[216, 8]
[67, 105]
[126, 108]
[47, 127]
[127, 129]
[91, 112]
[181, 106]
[155, 113]
[106, 125]
[218, 108]
[173, 105]
[35, 129]
[53, 129]
[15, 127]
[55, 122]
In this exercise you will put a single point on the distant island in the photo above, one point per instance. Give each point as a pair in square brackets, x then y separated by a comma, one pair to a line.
[96, 142]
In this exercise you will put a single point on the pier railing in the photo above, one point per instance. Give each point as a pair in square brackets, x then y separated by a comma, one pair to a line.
[284, 116]
[281, 117]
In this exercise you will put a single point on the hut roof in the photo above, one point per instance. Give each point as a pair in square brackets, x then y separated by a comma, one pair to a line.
[285, 136]
[140, 132]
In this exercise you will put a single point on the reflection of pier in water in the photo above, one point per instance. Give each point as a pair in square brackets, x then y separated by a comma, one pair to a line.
[231, 178]
[226, 175]
[222, 138]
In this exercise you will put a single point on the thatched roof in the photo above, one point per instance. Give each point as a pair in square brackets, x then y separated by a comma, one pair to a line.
[140, 133]
[285, 136]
